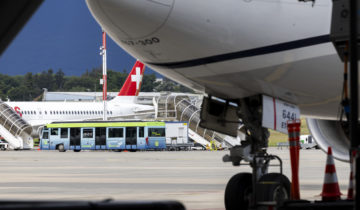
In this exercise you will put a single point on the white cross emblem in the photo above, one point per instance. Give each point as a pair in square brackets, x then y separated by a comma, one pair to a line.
[137, 77]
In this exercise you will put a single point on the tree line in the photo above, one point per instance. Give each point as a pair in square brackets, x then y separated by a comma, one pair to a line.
[30, 86]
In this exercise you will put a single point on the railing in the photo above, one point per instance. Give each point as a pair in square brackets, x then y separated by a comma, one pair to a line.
[179, 107]
[11, 121]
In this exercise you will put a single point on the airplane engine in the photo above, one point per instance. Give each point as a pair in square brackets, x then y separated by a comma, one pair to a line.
[331, 133]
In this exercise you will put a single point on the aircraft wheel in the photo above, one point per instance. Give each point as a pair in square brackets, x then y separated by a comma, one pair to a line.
[61, 148]
[238, 191]
[273, 187]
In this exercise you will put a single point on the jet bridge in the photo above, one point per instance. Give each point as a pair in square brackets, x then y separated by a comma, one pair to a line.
[179, 107]
[15, 130]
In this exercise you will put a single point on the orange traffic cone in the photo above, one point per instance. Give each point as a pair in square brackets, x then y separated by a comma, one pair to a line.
[331, 190]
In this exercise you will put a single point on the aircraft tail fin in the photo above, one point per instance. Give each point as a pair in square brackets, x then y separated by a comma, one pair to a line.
[132, 84]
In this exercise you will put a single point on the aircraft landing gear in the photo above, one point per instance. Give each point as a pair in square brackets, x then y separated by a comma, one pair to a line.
[238, 191]
[259, 188]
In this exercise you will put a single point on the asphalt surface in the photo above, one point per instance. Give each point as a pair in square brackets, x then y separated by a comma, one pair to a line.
[196, 178]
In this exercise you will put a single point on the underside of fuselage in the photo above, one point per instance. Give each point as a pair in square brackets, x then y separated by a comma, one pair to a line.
[314, 83]
[281, 48]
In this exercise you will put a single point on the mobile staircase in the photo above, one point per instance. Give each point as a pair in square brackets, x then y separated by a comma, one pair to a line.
[180, 107]
[15, 130]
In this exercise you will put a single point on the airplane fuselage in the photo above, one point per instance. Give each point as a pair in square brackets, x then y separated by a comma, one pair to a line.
[41, 113]
[233, 49]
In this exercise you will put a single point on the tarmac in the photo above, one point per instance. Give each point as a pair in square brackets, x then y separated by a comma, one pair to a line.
[195, 178]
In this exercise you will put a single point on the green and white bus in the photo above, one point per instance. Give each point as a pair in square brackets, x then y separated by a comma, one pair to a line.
[109, 135]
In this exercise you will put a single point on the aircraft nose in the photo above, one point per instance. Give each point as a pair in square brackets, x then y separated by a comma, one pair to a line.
[131, 19]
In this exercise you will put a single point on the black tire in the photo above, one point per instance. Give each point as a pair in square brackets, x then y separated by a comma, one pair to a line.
[273, 187]
[77, 150]
[61, 148]
[238, 191]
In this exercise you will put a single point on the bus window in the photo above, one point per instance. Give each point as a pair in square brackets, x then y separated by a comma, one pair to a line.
[116, 132]
[45, 135]
[88, 133]
[156, 132]
[141, 131]
[54, 131]
[64, 133]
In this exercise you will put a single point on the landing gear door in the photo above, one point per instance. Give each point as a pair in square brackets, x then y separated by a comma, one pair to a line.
[219, 116]
[276, 114]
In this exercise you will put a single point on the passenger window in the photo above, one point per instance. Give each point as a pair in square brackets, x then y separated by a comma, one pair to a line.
[45, 135]
[141, 131]
[156, 132]
[116, 132]
[87, 133]
[54, 131]
[64, 133]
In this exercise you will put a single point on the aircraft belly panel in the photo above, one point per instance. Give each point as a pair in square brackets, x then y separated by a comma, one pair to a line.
[314, 84]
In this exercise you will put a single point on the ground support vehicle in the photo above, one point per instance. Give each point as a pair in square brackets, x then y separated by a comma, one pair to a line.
[177, 135]
[109, 135]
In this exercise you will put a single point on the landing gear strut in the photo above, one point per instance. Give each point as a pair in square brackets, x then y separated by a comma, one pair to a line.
[249, 191]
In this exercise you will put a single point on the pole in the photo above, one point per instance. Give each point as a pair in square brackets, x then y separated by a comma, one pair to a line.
[104, 74]
[354, 96]
[294, 147]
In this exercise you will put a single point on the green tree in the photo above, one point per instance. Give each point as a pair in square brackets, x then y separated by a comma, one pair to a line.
[148, 83]
[115, 80]
[18, 93]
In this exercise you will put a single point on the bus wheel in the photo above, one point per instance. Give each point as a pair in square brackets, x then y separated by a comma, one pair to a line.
[77, 150]
[61, 148]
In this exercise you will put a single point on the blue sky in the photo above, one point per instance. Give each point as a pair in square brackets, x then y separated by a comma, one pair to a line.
[61, 34]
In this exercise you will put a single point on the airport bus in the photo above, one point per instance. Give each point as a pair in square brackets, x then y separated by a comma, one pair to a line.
[110, 135]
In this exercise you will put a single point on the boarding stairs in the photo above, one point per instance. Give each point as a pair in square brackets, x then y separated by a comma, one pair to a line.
[15, 130]
[179, 107]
